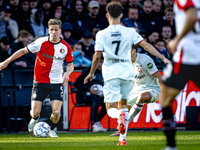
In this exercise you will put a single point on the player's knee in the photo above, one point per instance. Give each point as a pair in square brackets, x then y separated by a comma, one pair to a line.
[35, 113]
[56, 113]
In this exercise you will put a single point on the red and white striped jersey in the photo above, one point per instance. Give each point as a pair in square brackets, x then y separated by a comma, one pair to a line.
[188, 49]
[49, 60]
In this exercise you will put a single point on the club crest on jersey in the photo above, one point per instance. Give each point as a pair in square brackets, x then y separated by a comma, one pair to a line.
[62, 50]
[139, 69]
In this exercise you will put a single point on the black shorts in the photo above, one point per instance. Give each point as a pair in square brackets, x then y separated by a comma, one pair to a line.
[40, 91]
[176, 76]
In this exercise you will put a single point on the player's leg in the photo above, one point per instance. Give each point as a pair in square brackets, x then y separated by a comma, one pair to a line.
[35, 112]
[55, 116]
[126, 87]
[111, 92]
[136, 102]
[173, 82]
[169, 126]
[56, 96]
[39, 93]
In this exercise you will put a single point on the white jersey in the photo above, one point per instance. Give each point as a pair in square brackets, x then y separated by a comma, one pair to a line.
[188, 49]
[144, 68]
[116, 42]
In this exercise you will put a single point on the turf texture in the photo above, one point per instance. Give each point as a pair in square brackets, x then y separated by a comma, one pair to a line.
[136, 140]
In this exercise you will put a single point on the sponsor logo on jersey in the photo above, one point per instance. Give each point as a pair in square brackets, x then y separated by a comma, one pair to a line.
[115, 34]
[140, 77]
[62, 50]
[33, 43]
[53, 57]
[46, 47]
[150, 65]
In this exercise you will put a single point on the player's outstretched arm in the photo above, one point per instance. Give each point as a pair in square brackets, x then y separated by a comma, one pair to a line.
[148, 47]
[70, 69]
[16, 55]
[95, 62]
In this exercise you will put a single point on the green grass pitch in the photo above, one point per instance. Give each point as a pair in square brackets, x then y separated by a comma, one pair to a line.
[136, 140]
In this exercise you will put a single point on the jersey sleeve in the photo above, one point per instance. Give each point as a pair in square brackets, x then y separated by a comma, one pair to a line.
[69, 56]
[98, 43]
[150, 66]
[183, 4]
[137, 38]
[34, 47]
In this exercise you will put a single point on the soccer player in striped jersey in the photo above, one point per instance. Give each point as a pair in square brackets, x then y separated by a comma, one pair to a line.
[48, 72]
[185, 63]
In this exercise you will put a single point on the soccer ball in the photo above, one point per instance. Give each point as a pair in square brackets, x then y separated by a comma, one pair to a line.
[41, 129]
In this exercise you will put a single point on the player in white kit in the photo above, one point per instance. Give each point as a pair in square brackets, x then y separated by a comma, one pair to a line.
[185, 65]
[147, 83]
[116, 42]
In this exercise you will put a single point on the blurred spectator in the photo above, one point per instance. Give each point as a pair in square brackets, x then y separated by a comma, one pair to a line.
[46, 7]
[135, 3]
[132, 18]
[92, 94]
[156, 8]
[94, 32]
[57, 11]
[87, 47]
[67, 32]
[23, 10]
[166, 34]
[33, 4]
[8, 26]
[143, 33]
[4, 48]
[160, 46]
[169, 20]
[153, 36]
[79, 20]
[126, 6]
[22, 41]
[102, 8]
[168, 3]
[150, 22]
[14, 6]
[79, 59]
[3, 3]
[30, 38]
[93, 8]
[37, 28]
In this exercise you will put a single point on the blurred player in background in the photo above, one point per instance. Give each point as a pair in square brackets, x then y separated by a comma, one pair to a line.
[48, 80]
[147, 83]
[186, 62]
[116, 42]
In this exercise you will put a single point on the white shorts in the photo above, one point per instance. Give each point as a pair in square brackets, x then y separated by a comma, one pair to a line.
[135, 93]
[116, 89]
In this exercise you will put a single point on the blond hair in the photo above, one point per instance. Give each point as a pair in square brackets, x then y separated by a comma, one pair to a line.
[54, 21]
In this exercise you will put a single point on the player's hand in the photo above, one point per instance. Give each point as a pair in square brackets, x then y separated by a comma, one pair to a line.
[89, 77]
[171, 46]
[65, 79]
[166, 61]
[3, 65]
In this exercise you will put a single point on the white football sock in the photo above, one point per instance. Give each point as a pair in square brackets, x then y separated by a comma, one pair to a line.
[135, 110]
[113, 113]
[123, 136]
